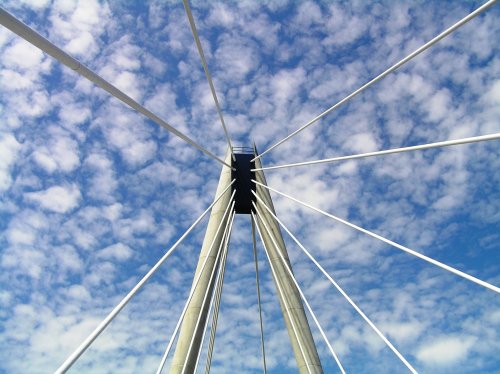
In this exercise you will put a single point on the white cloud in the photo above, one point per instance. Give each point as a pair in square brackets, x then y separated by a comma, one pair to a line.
[404, 331]
[22, 55]
[439, 105]
[25, 259]
[493, 94]
[13, 80]
[447, 202]
[118, 251]
[81, 44]
[286, 83]
[329, 239]
[307, 15]
[162, 102]
[103, 183]
[101, 273]
[34, 104]
[73, 114]
[128, 83]
[343, 28]
[79, 292]
[68, 259]
[222, 15]
[18, 236]
[78, 25]
[9, 148]
[61, 153]
[127, 132]
[445, 350]
[127, 58]
[139, 152]
[37, 4]
[155, 65]
[361, 143]
[60, 199]
[236, 58]
[72, 109]
[137, 188]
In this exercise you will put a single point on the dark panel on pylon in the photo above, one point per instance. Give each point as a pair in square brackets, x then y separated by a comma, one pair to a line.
[243, 185]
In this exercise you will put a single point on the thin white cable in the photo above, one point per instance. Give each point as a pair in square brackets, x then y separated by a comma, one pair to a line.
[191, 293]
[214, 294]
[215, 316]
[349, 300]
[446, 143]
[210, 307]
[388, 71]
[207, 72]
[294, 329]
[212, 298]
[100, 328]
[262, 346]
[259, 214]
[202, 305]
[394, 244]
[31, 36]
[223, 249]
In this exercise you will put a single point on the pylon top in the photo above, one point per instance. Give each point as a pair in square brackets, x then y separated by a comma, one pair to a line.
[243, 174]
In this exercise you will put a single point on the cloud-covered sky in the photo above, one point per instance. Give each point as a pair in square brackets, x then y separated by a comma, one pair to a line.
[92, 193]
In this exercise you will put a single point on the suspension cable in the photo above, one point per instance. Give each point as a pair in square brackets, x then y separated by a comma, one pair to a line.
[215, 316]
[215, 294]
[202, 305]
[281, 293]
[193, 288]
[100, 328]
[207, 72]
[394, 244]
[287, 267]
[415, 53]
[446, 143]
[262, 346]
[346, 296]
[31, 36]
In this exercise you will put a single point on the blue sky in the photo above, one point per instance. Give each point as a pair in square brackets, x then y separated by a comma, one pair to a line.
[92, 194]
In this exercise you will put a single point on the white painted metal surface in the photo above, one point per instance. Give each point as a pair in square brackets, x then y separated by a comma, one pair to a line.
[186, 350]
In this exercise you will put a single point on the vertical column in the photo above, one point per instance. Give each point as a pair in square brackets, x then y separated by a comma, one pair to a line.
[293, 300]
[195, 308]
